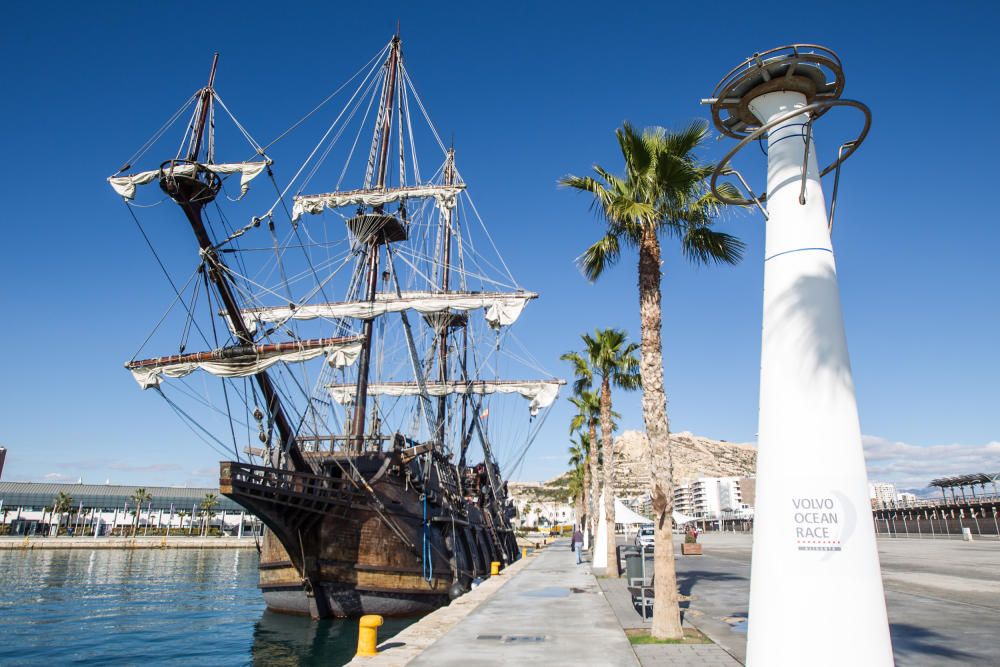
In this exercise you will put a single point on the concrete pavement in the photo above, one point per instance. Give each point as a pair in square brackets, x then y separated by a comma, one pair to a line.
[942, 596]
[553, 612]
[544, 609]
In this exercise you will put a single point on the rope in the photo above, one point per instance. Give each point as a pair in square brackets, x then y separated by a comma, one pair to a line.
[343, 128]
[246, 135]
[191, 423]
[170, 280]
[320, 143]
[428, 559]
[328, 98]
[156, 135]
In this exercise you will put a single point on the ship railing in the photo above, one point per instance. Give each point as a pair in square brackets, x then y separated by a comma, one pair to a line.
[343, 444]
[299, 490]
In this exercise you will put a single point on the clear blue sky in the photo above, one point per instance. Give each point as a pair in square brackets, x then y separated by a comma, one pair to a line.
[529, 94]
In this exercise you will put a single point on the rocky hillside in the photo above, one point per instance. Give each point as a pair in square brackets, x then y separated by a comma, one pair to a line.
[694, 457]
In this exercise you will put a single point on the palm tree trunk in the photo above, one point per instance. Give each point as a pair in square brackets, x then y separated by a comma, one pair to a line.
[607, 442]
[584, 511]
[595, 494]
[666, 613]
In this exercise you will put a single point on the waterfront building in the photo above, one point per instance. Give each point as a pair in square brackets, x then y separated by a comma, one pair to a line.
[882, 493]
[98, 509]
[714, 498]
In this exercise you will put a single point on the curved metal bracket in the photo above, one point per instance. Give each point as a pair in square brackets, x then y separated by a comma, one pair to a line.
[846, 151]
[733, 172]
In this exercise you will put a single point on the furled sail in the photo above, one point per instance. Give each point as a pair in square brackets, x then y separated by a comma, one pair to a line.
[446, 196]
[245, 360]
[541, 393]
[501, 308]
[125, 185]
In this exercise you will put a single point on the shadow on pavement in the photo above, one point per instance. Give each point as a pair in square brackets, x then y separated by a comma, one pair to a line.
[912, 640]
[687, 580]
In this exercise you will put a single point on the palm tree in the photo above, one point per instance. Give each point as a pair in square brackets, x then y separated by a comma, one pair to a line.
[611, 360]
[140, 498]
[579, 479]
[61, 504]
[588, 414]
[208, 504]
[662, 193]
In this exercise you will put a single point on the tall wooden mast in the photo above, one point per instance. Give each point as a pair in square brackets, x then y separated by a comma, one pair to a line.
[445, 322]
[374, 241]
[192, 194]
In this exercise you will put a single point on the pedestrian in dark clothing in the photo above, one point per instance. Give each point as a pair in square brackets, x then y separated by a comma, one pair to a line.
[577, 544]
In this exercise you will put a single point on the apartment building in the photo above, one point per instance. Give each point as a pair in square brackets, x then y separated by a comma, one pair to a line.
[713, 497]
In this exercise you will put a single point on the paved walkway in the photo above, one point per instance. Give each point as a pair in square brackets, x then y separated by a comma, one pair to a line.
[552, 612]
[545, 610]
[694, 615]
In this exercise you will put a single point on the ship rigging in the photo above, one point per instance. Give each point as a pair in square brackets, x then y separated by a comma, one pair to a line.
[371, 363]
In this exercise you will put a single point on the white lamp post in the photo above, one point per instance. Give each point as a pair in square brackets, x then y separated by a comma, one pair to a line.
[816, 593]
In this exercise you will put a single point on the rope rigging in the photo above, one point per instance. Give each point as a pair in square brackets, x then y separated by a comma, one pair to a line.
[298, 265]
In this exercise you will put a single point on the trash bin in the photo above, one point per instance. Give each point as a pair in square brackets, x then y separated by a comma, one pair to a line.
[966, 534]
[633, 568]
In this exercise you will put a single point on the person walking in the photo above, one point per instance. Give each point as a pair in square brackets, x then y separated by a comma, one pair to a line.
[577, 544]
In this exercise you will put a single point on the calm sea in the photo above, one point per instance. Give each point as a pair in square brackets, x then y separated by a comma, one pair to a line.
[175, 606]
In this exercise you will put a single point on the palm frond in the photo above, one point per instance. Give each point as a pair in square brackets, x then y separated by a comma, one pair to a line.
[581, 371]
[633, 148]
[687, 140]
[704, 245]
[599, 257]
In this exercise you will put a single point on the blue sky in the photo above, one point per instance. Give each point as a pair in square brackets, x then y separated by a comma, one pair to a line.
[529, 93]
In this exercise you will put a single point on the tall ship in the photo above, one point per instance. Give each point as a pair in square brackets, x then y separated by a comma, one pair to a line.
[358, 371]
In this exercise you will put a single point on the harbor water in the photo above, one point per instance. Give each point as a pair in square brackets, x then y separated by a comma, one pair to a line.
[151, 606]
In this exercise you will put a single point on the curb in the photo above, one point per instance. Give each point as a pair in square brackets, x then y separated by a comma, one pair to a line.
[410, 643]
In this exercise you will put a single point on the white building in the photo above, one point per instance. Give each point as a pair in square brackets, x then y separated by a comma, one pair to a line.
[535, 510]
[710, 497]
[906, 499]
[882, 493]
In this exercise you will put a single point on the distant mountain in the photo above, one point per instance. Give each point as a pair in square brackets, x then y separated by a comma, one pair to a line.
[925, 492]
[694, 457]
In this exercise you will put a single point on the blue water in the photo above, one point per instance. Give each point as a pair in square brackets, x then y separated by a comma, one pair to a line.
[172, 607]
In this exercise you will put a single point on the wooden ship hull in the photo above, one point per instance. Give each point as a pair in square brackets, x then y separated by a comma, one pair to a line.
[333, 548]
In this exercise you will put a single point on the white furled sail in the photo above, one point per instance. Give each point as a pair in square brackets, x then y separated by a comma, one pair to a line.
[501, 308]
[125, 185]
[541, 393]
[446, 196]
[339, 352]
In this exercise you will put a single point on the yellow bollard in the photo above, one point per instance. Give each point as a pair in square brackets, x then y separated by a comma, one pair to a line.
[368, 635]
[524, 552]
[494, 568]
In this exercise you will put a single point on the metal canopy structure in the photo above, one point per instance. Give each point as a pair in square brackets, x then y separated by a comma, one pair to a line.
[959, 481]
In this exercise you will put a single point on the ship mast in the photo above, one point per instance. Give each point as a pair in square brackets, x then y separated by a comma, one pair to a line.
[364, 362]
[192, 193]
[449, 179]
